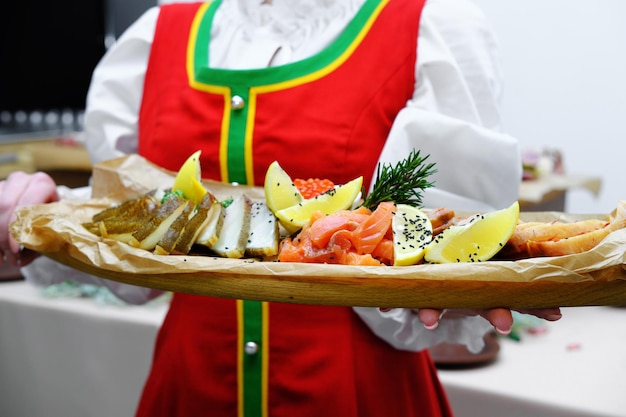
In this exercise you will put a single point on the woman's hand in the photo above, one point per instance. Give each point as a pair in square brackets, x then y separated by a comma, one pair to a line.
[500, 318]
[21, 189]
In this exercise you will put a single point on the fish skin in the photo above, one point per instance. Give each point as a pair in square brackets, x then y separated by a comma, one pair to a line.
[135, 208]
[168, 241]
[195, 224]
[149, 234]
[123, 218]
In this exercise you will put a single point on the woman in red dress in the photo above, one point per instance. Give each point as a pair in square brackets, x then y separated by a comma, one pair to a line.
[329, 89]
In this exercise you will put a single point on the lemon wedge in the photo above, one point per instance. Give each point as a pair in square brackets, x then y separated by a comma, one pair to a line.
[294, 217]
[476, 240]
[412, 231]
[197, 191]
[188, 179]
[280, 191]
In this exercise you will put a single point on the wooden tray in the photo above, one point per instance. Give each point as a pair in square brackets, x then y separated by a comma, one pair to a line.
[414, 287]
[593, 278]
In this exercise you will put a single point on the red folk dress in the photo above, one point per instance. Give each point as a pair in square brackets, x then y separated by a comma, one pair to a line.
[327, 116]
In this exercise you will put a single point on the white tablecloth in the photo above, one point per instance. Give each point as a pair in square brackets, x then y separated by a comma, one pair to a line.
[72, 357]
[75, 358]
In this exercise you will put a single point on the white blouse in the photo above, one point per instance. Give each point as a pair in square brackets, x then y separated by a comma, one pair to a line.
[453, 115]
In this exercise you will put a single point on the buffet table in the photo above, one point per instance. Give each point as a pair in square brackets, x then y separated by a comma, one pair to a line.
[78, 358]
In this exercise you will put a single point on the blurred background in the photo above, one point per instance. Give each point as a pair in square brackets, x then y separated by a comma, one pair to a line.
[565, 88]
[48, 50]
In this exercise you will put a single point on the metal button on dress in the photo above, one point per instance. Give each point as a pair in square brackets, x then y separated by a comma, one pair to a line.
[237, 102]
[251, 348]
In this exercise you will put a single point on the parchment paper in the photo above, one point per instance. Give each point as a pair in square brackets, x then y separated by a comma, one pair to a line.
[56, 230]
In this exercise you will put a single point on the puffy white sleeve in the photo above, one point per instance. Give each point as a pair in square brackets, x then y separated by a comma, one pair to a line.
[454, 114]
[453, 117]
[115, 92]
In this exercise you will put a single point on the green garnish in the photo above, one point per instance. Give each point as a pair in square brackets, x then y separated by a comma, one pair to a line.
[227, 202]
[402, 183]
[169, 194]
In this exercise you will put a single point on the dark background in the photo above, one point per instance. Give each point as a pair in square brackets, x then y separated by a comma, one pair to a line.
[48, 50]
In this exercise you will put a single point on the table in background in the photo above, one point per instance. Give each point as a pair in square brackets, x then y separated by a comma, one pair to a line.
[71, 357]
[575, 368]
[75, 358]
[64, 158]
[548, 193]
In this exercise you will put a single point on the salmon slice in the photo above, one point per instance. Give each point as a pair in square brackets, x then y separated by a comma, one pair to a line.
[353, 258]
[351, 237]
[370, 233]
[384, 251]
[290, 250]
[322, 227]
[302, 249]
[341, 238]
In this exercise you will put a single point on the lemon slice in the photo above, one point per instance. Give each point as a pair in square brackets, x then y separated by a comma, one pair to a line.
[412, 231]
[280, 191]
[476, 240]
[188, 179]
[197, 191]
[342, 197]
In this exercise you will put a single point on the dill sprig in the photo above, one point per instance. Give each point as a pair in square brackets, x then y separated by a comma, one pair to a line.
[402, 183]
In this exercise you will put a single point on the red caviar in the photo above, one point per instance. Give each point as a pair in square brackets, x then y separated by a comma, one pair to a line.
[313, 186]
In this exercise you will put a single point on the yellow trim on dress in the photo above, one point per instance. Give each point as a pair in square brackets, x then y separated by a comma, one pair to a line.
[240, 353]
[214, 89]
[265, 360]
[256, 90]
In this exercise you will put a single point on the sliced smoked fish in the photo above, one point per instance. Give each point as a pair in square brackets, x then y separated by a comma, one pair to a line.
[136, 208]
[441, 218]
[581, 242]
[526, 232]
[536, 239]
[232, 239]
[151, 232]
[170, 238]
[196, 224]
[120, 221]
[264, 235]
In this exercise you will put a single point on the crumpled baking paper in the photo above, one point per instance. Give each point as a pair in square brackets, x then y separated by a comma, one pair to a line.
[596, 277]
